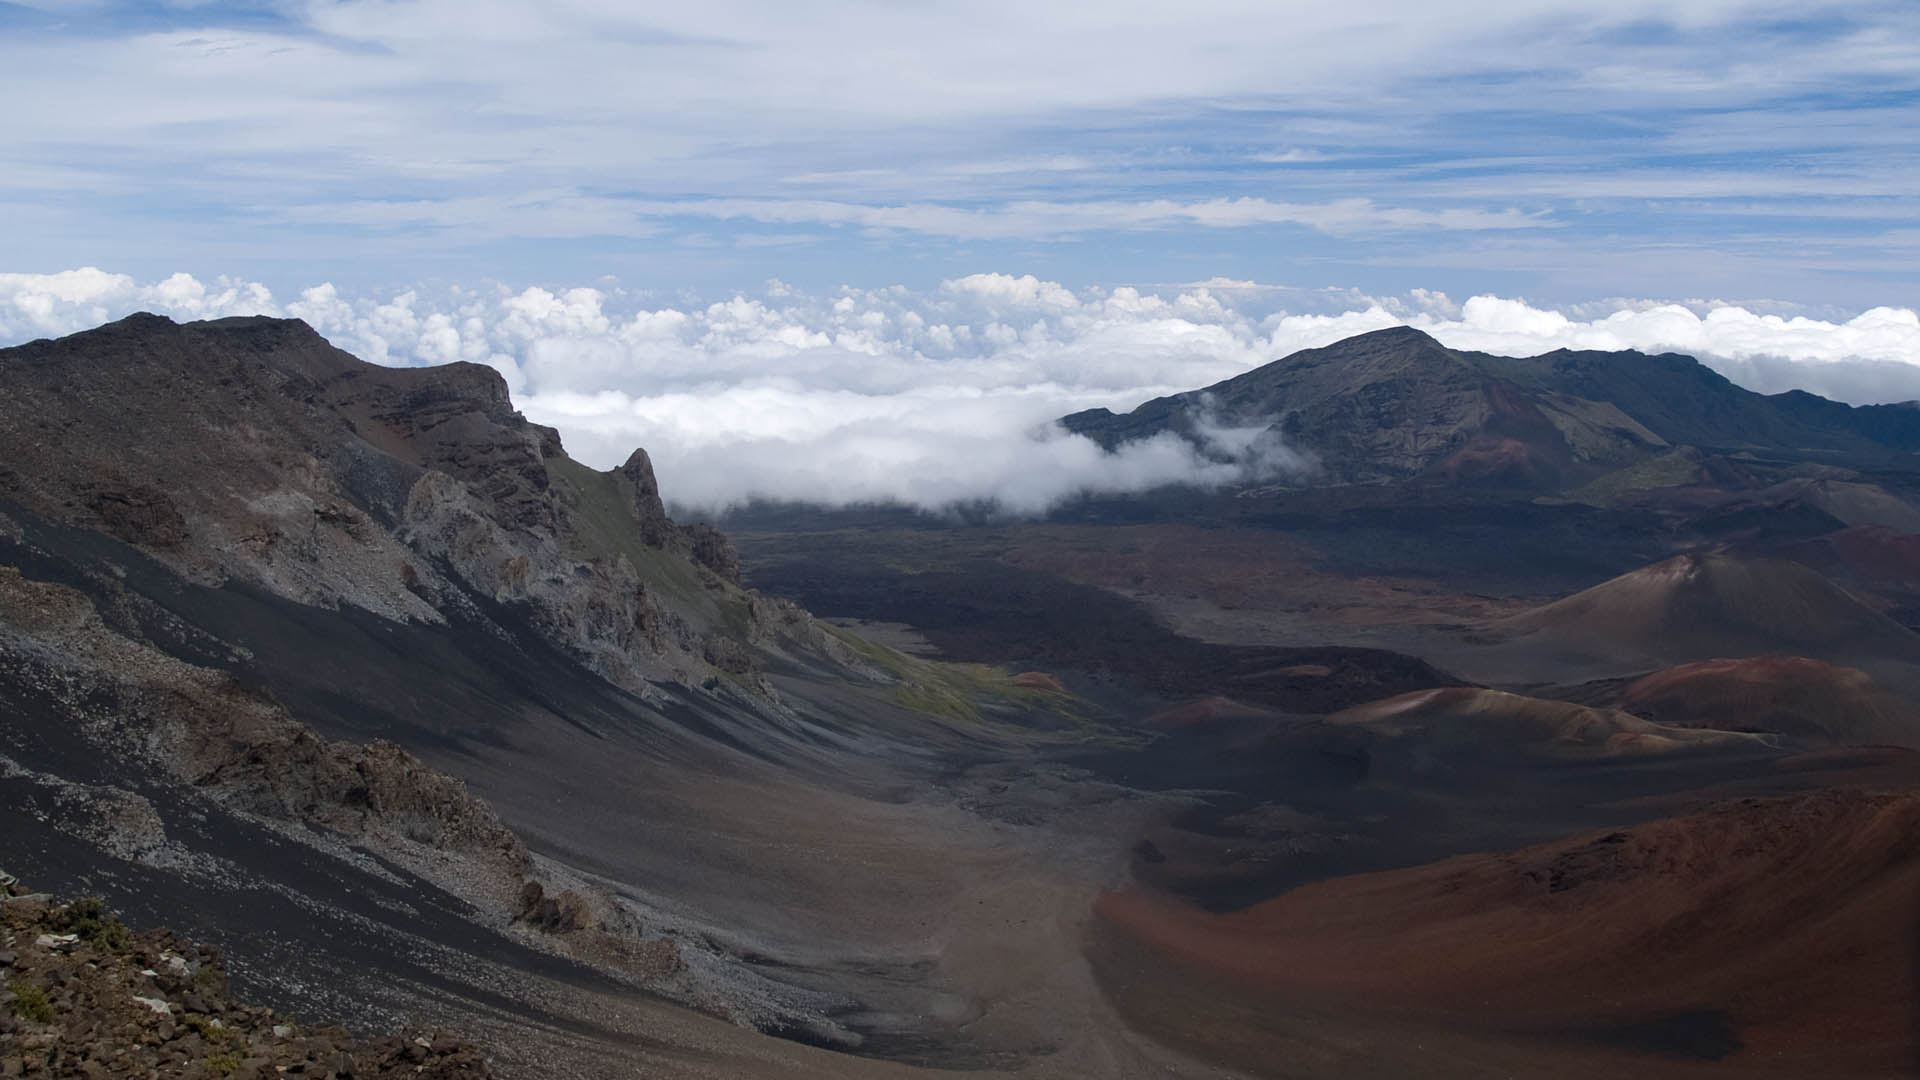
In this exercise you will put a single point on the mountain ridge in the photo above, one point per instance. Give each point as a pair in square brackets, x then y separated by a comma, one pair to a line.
[1395, 405]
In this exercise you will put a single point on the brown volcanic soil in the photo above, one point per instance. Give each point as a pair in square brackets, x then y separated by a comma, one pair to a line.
[1761, 937]
[1787, 695]
[1875, 563]
[1465, 716]
[1695, 607]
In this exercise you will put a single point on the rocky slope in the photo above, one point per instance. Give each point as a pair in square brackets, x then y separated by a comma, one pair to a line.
[251, 451]
[352, 671]
[84, 996]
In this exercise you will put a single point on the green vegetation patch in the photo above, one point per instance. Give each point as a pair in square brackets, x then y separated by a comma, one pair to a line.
[88, 917]
[967, 696]
[607, 529]
[1680, 465]
[214, 1033]
[30, 1002]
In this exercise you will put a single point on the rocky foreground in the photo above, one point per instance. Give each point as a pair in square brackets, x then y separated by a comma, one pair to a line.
[87, 997]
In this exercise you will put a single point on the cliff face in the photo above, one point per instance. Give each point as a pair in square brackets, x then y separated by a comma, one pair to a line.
[250, 450]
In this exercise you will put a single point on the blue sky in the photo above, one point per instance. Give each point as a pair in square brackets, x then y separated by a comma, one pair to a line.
[1562, 151]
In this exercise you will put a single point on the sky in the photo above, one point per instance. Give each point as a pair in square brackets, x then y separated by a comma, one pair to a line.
[880, 243]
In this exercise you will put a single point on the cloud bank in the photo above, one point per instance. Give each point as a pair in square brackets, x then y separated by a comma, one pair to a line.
[943, 396]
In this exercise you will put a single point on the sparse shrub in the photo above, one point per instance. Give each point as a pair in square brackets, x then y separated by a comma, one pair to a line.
[210, 979]
[215, 1035]
[226, 1064]
[89, 918]
[30, 1002]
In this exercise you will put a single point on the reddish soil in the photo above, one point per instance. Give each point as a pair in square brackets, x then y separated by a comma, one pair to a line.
[1208, 714]
[1775, 935]
[1040, 680]
[1463, 714]
[1698, 606]
[1787, 695]
[1875, 563]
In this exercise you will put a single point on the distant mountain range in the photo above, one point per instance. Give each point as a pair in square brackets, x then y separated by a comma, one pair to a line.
[1397, 406]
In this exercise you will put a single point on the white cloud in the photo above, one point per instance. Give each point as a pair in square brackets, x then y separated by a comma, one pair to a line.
[48, 305]
[946, 395]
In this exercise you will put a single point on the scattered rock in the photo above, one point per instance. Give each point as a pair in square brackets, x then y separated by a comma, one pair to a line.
[68, 1009]
[141, 515]
[29, 904]
[561, 914]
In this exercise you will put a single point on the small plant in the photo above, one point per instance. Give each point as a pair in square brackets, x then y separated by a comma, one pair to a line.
[30, 1003]
[212, 1031]
[210, 979]
[89, 918]
[225, 1064]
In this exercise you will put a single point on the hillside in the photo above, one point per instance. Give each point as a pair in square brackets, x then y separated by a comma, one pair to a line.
[1706, 605]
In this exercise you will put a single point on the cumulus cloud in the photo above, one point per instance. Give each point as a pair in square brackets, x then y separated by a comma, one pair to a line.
[947, 395]
[48, 305]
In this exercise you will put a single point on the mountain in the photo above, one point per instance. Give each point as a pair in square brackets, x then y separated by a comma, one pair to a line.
[1395, 405]
[354, 673]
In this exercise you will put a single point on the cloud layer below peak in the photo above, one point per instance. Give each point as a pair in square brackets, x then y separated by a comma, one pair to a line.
[946, 395]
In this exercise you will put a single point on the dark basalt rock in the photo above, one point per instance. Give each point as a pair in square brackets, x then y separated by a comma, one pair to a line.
[655, 527]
